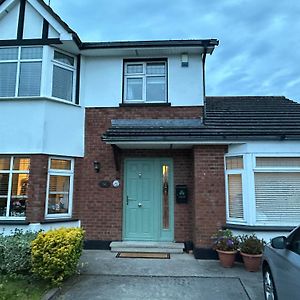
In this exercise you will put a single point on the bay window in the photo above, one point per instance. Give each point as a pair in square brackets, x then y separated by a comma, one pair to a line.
[145, 81]
[14, 175]
[59, 188]
[37, 71]
[262, 190]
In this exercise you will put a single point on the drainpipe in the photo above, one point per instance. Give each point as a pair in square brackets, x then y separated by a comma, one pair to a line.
[203, 56]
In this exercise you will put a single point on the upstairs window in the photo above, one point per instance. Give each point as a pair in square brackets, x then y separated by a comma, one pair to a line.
[20, 71]
[145, 81]
[63, 76]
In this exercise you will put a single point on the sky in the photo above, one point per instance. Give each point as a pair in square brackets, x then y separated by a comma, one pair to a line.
[259, 51]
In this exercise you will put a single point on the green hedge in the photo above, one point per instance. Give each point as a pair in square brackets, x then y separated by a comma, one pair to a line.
[15, 252]
[55, 254]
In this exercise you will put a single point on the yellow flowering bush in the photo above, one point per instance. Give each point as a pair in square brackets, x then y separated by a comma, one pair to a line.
[55, 253]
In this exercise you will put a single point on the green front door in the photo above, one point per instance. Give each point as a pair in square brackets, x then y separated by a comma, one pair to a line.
[148, 201]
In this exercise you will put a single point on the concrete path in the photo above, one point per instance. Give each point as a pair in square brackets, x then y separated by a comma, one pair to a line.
[103, 276]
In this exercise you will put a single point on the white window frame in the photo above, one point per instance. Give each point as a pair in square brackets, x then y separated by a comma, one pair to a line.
[234, 172]
[11, 171]
[144, 77]
[19, 61]
[248, 184]
[66, 67]
[60, 172]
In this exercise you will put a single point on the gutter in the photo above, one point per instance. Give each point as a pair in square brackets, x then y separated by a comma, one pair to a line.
[203, 57]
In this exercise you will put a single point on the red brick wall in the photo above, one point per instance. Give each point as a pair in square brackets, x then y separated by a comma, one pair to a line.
[35, 210]
[209, 212]
[100, 209]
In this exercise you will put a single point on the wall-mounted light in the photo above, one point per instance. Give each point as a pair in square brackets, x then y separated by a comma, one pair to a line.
[96, 166]
[184, 60]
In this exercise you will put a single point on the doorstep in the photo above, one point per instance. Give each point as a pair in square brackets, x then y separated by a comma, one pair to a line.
[142, 246]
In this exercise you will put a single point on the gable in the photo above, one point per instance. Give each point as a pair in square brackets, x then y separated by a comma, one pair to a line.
[31, 21]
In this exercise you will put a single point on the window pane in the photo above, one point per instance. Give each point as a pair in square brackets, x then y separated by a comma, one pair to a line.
[3, 204]
[58, 204]
[155, 89]
[19, 184]
[8, 53]
[63, 58]
[134, 89]
[59, 184]
[30, 79]
[8, 73]
[4, 163]
[235, 196]
[22, 164]
[277, 198]
[4, 184]
[280, 162]
[134, 68]
[165, 194]
[235, 162]
[31, 53]
[60, 164]
[18, 206]
[156, 68]
[62, 83]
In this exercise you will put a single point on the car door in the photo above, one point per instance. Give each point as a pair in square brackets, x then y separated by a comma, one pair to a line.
[290, 271]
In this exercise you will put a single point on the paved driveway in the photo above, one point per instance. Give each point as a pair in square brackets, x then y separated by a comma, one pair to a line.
[181, 277]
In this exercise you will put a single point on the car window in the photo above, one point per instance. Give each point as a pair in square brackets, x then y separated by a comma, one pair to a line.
[295, 242]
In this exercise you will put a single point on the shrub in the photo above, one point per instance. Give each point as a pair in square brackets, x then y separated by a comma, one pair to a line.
[251, 244]
[224, 240]
[15, 252]
[55, 254]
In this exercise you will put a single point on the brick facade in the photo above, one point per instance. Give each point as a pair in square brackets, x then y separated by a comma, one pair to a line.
[37, 186]
[201, 169]
[209, 212]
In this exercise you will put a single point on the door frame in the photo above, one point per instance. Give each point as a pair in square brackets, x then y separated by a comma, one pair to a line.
[162, 234]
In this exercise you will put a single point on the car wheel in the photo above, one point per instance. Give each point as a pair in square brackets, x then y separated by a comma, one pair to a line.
[269, 287]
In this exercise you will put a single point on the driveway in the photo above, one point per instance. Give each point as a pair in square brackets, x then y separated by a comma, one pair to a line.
[103, 276]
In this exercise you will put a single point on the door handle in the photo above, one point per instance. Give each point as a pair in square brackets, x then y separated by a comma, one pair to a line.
[140, 204]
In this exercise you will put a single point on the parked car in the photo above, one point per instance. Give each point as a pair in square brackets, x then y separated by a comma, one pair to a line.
[281, 267]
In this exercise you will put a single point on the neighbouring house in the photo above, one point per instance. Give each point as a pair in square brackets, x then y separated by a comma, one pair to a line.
[120, 138]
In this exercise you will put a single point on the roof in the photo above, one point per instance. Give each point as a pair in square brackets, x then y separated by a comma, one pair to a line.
[227, 119]
[156, 43]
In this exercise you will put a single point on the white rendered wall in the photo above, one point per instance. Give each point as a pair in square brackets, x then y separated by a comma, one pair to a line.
[272, 147]
[33, 23]
[9, 23]
[102, 80]
[34, 227]
[41, 126]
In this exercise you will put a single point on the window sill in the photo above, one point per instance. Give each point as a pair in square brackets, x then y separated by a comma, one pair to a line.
[14, 222]
[144, 104]
[258, 227]
[58, 220]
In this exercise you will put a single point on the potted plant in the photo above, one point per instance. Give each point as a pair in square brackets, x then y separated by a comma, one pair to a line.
[251, 249]
[226, 245]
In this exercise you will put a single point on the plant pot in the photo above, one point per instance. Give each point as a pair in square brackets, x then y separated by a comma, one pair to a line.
[226, 258]
[252, 262]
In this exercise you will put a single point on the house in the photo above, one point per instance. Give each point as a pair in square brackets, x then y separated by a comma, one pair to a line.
[120, 138]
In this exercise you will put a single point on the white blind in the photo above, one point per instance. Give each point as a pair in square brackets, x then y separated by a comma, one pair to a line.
[280, 162]
[235, 196]
[277, 198]
[30, 78]
[62, 83]
[8, 73]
